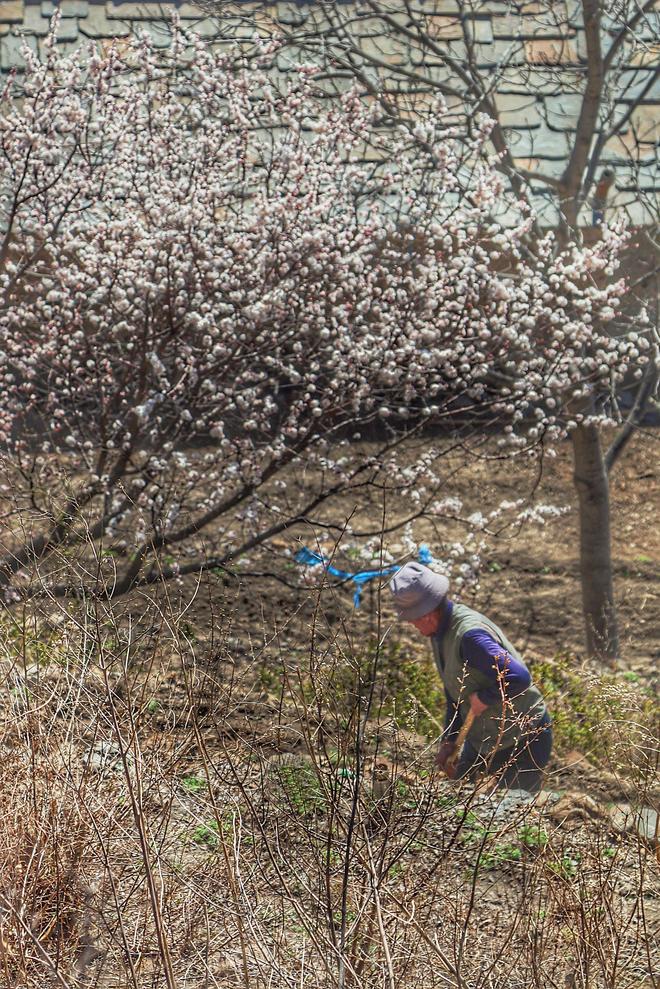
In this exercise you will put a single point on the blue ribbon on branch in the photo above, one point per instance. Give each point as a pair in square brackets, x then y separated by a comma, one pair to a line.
[308, 558]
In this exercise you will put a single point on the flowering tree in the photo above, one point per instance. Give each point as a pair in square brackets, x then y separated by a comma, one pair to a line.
[570, 89]
[205, 301]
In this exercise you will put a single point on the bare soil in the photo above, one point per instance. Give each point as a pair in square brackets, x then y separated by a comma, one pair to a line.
[529, 583]
[224, 723]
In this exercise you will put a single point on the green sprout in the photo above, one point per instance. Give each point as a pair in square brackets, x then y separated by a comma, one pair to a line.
[193, 784]
[206, 834]
[533, 836]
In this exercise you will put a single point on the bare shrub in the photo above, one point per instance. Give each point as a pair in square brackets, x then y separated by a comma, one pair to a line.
[167, 821]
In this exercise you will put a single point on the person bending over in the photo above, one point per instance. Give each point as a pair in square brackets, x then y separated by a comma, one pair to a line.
[482, 672]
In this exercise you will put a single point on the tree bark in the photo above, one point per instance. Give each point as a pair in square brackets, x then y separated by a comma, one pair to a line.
[591, 483]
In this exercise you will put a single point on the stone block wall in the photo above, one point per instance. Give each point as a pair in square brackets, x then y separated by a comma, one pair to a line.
[537, 51]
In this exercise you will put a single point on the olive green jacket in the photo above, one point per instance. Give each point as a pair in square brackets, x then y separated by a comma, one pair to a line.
[502, 724]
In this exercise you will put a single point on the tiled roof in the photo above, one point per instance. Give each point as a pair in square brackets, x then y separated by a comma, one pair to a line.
[537, 95]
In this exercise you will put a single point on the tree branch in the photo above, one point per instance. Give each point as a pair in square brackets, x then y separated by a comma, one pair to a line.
[589, 110]
[620, 442]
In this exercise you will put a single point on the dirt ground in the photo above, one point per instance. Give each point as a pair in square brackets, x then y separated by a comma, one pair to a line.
[232, 692]
[529, 582]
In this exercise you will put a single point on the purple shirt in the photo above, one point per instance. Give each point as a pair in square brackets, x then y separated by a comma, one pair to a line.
[480, 651]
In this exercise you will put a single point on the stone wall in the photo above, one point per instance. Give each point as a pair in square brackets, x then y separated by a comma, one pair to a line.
[537, 93]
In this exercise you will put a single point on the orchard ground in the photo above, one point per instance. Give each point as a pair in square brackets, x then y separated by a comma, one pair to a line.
[203, 739]
[529, 580]
[529, 583]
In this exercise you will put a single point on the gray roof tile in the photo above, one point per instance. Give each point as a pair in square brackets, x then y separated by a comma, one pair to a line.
[553, 168]
[515, 25]
[630, 179]
[500, 52]
[444, 27]
[526, 79]
[293, 14]
[188, 11]
[158, 31]
[66, 47]
[68, 30]
[549, 51]
[74, 8]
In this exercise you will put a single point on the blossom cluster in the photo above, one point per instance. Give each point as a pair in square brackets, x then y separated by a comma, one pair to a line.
[460, 558]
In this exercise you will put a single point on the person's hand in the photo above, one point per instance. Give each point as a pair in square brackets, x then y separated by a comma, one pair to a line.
[476, 706]
[451, 767]
[446, 750]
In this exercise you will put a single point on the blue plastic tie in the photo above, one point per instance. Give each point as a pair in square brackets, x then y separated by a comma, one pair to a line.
[307, 558]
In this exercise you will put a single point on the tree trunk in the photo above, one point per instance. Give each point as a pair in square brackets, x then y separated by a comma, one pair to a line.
[591, 483]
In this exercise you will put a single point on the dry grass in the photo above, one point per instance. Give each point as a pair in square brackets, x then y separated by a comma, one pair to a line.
[168, 821]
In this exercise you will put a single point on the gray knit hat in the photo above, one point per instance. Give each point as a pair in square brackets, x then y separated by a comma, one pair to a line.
[417, 590]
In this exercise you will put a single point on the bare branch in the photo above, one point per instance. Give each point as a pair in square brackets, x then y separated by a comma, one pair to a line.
[645, 391]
